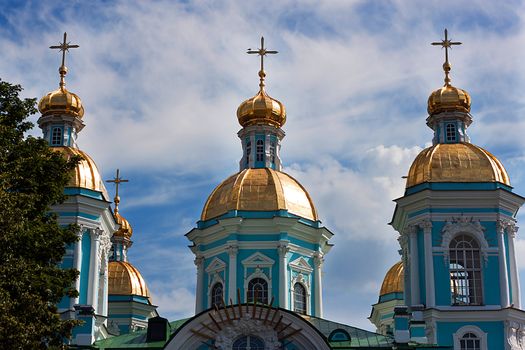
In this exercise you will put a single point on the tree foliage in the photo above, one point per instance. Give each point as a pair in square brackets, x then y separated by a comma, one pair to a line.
[32, 244]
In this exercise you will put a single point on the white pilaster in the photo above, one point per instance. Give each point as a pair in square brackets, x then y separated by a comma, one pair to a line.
[414, 267]
[318, 284]
[429, 263]
[199, 262]
[514, 281]
[232, 274]
[94, 268]
[77, 263]
[283, 275]
[503, 278]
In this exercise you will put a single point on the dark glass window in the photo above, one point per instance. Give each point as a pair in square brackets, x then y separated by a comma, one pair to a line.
[450, 131]
[470, 342]
[217, 295]
[272, 152]
[259, 151]
[56, 136]
[258, 291]
[248, 342]
[465, 271]
[248, 152]
[299, 298]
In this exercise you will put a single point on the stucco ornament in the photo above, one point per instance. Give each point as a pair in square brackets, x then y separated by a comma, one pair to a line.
[515, 335]
[466, 225]
[247, 326]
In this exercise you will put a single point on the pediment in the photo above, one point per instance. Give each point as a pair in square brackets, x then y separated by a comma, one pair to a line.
[301, 264]
[216, 265]
[258, 259]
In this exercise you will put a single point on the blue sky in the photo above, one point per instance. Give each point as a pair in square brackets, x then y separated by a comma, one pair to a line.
[161, 81]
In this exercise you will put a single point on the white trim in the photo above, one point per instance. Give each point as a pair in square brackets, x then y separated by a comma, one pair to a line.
[482, 336]
[216, 265]
[459, 225]
[426, 225]
[303, 281]
[502, 259]
[257, 274]
[301, 264]
[216, 279]
[213, 270]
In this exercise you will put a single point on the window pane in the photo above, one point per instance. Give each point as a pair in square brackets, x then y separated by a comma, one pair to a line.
[465, 271]
[299, 301]
[258, 291]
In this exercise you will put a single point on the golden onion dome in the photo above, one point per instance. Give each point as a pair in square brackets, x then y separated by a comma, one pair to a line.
[394, 280]
[456, 162]
[61, 101]
[86, 174]
[125, 230]
[261, 189]
[261, 109]
[448, 99]
[125, 279]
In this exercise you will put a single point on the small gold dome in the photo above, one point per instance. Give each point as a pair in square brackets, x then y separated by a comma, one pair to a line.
[394, 280]
[261, 109]
[456, 162]
[125, 279]
[448, 99]
[125, 229]
[86, 174]
[61, 101]
[261, 189]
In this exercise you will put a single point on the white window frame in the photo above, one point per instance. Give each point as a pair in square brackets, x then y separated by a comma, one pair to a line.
[460, 333]
[214, 270]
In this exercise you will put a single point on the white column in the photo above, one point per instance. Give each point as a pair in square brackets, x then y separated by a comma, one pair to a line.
[77, 263]
[429, 263]
[199, 262]
[283, 275]
[318, 291]
[94, 268]
[503, 278]
[414, 268]
[514, 281]
[232, 274]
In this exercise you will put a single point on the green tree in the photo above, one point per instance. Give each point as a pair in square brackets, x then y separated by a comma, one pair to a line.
[32, 244]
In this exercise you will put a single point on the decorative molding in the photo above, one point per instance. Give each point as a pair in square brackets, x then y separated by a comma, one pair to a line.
[463, 224]
[304, 280]
[216, 265]
[258, 273]
[318, 259]
[301, 265]
[515, 335]
[246, 326]
[257, 260]
[482, 336]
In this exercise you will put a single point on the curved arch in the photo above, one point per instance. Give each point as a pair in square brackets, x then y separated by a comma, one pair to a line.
[463, 225]
[300, 298]
[465, 332]
[217, 294]
[257, 290]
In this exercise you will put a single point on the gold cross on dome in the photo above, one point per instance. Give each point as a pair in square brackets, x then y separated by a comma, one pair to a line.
[117, 181]
[64, 47]
[261, 52]
[446, 43]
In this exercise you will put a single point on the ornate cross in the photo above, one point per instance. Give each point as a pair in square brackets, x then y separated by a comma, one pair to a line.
[446, 43]
[64, 47]
[261, 52]
[117, 181]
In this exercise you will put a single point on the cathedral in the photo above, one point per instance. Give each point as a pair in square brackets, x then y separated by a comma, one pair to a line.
[259, 246]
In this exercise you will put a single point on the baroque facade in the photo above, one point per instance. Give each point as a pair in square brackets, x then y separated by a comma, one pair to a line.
[259, 247]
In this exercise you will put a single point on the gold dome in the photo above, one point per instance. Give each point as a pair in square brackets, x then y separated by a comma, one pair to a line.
[394, 280]
[61, 101]
[261, 109]
[125, 279]
[125, 230]
[261, 189]
[86, 173]
[448, 99]
[456, 162]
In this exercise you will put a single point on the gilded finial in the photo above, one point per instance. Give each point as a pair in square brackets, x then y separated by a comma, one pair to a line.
[64, 47]
[117, 180]
[261, 52]
[446, 43]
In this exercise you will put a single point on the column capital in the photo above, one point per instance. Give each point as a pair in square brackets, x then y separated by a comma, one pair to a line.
[199, 261]
[512, 230]
[97, 232]
[318, 259]
[232, 249]
[426, 225]
[410, 229]
[283, 248]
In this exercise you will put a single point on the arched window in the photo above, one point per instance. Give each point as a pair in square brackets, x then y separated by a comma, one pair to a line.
[470, 341]
[450, 132]
[56, 136]
[258, 291]
[248, 151]
[259, 151]
[272, 152]
[248, 342]
[217, 295]
[299, 299]
[465, 271]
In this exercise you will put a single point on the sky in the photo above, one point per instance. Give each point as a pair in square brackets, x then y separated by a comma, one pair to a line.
[161, 82]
